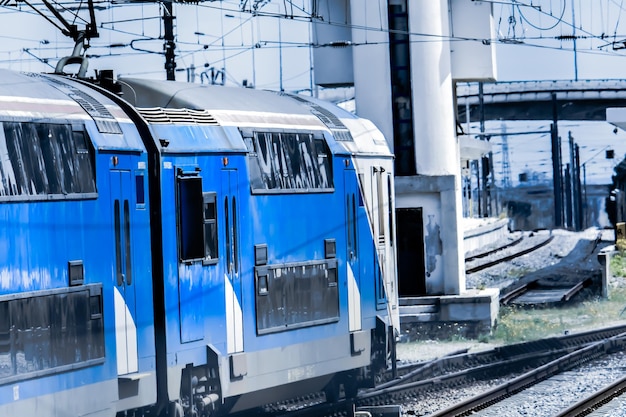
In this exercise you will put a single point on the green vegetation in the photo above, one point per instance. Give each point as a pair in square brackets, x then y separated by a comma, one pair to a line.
[519, 324]
[515, 273]
[618, 264]
[523, 324]
[516, 324]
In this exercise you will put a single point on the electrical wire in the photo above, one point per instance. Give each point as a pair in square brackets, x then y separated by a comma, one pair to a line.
[298, 13]
[558, 20]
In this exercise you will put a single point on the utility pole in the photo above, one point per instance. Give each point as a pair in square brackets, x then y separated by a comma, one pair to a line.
[582, 211]
[169, 46]
[577, 202]
[574, 39]
[556, 165]
[506, 164]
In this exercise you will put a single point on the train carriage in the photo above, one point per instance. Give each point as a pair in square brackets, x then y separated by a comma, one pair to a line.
[73, 210]
[285, 242]
[199, 249]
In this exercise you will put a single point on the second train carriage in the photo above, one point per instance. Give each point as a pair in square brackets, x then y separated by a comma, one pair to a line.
[218, 249]
[286, 211]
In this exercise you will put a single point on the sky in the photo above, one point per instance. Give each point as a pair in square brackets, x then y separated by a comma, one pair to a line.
[268, 44]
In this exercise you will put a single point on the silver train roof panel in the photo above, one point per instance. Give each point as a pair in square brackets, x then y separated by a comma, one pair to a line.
[248, 108]
[44, 97]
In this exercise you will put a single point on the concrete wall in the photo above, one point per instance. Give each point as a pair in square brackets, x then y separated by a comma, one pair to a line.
[440, 199]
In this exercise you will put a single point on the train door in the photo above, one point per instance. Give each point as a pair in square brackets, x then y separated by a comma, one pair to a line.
[124, 299]
[352, 247]
[232, 279]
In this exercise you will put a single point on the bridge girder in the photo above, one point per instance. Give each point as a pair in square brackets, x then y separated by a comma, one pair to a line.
[582, 100]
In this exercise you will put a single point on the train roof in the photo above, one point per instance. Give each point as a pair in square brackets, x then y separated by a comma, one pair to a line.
[52, 98]
[174, 94]
[249, 108]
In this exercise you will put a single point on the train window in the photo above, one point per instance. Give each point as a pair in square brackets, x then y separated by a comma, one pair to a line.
[380, 195]
[390, 209]
[127, 253]
[43, 159]
[48, 333]
[118, 243]
[190, 218]
[295, 295]
[289, 161]
[210, 226]
[140, 189]
[235, 240]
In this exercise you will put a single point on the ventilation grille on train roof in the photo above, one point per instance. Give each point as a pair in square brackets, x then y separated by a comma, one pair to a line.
[336, 126]
[105, 121]
[159, 115]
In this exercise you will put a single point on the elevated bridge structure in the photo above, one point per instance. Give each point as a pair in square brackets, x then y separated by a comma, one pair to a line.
[539, 100]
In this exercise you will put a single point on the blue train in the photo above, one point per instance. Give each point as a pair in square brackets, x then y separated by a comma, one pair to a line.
[188, 250]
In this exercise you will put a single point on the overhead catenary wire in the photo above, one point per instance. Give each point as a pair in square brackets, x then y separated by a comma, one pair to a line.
[296, 12]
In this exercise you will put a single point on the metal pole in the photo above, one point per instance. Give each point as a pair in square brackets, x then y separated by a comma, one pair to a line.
[579, 197]
[556, 178]
[572, 185]
[169, 46]
[585, 190]
[556, 165]
[569, 216]
[574, 38]
[280, 54]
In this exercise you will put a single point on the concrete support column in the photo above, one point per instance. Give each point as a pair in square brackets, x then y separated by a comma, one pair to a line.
[370, 57]
[436, 149]
[436, 146]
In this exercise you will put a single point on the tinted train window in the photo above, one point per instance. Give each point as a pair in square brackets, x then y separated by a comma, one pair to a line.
[190, 218]
[295, 295]
[42, 159]
[53, 332]
[197, 221]
[210, 226]
[281, 161]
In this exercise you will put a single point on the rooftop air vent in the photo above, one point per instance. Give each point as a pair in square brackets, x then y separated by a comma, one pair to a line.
[159, 115]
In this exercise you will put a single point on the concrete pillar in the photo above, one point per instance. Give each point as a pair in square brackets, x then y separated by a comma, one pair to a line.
[436, 146]
[436, 150]
[370, 57]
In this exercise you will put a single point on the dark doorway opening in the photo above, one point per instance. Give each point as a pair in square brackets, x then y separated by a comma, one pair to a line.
[411, 268]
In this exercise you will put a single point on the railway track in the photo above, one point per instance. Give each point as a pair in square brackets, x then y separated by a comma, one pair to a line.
[599, 400]
[514, 387]
[554, 285]
[419, 379]
[533, 293]
[492, 251]
[504, 257]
